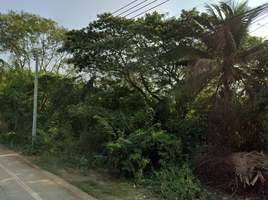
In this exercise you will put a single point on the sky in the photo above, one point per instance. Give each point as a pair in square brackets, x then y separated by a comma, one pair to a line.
[76, 14]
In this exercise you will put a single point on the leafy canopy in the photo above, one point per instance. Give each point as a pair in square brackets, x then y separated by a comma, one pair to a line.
[134, 50]
[22, 33]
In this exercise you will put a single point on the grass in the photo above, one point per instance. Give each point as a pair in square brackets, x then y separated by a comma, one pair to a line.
[102, 183]
[114, 190]
[98, 183]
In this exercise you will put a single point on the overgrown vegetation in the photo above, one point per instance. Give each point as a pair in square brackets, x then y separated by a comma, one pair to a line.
[158, 93]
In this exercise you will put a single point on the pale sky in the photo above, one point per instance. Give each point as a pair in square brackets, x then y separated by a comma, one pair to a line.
[76, 14]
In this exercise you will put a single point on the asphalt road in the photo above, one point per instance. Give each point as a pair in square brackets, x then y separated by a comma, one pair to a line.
[22, 180]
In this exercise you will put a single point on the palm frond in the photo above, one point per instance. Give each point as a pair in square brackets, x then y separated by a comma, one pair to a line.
[259, 55]
[257, 11]
[224, 40]
[200, 25]
[226, 9]
[211, 25]
[241, 8]
[249, 167]
[248, 55]
[204, 64]
[211, 67]
[185, 51]
[219, 10]
[211, 11]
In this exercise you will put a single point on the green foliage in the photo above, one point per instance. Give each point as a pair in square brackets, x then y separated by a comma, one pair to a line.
[223, 53]
[16, 93]
[142, 111]
[142, 150]
[156, 159]
[133, 50]
[175, 183]
[110, 124]
[192, 133]
[8, 137]
[254, 126]
[22, 33]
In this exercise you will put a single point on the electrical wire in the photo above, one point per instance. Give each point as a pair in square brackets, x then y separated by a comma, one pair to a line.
[140, 8]
[263, 25]
[257, 20]
[132, 7]
[263, 8]
[149, 9]
[125, 6]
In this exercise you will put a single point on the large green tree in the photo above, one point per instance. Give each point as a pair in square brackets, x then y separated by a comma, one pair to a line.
[22, 33]
[133, 50]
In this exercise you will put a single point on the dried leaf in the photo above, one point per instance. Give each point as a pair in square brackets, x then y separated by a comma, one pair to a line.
[255, 179]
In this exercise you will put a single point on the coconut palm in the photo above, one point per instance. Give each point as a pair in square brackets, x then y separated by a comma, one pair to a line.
[221, 53]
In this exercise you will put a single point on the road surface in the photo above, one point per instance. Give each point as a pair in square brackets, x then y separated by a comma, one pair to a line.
[22, 180]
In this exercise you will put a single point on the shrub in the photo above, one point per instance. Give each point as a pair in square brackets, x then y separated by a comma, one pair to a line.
[144, 150]
[176, 183]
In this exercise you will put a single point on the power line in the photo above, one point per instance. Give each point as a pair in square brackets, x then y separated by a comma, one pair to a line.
[264, 26]
[257, 20]
[132, 7]
[138, 8]
[263, 13]
[263, 8]
[150, 9]
[141, 8]
[259, 27]
[125, 6]
[145, 6]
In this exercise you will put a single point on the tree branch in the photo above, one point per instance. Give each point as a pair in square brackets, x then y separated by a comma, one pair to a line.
[148, 89]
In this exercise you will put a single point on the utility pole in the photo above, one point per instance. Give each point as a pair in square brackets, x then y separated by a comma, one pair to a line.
[35, 98]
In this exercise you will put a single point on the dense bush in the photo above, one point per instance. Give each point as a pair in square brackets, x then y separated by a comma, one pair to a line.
[111, 126]
[16, 93]
[254, 126]
[157, 93]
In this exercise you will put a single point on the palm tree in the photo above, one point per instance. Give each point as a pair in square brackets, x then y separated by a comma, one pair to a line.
[220, 52]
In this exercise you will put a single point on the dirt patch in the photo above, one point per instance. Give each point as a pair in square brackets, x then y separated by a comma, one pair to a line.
[88, 175]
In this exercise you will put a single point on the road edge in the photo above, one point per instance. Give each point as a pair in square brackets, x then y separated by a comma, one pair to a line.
[80, 193]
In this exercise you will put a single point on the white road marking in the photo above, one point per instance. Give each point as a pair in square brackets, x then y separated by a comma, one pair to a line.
[26, 187]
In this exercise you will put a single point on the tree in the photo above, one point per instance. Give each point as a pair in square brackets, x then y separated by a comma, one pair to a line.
[21, 34]
[133, 50]
[219, 50]
[16, 93]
